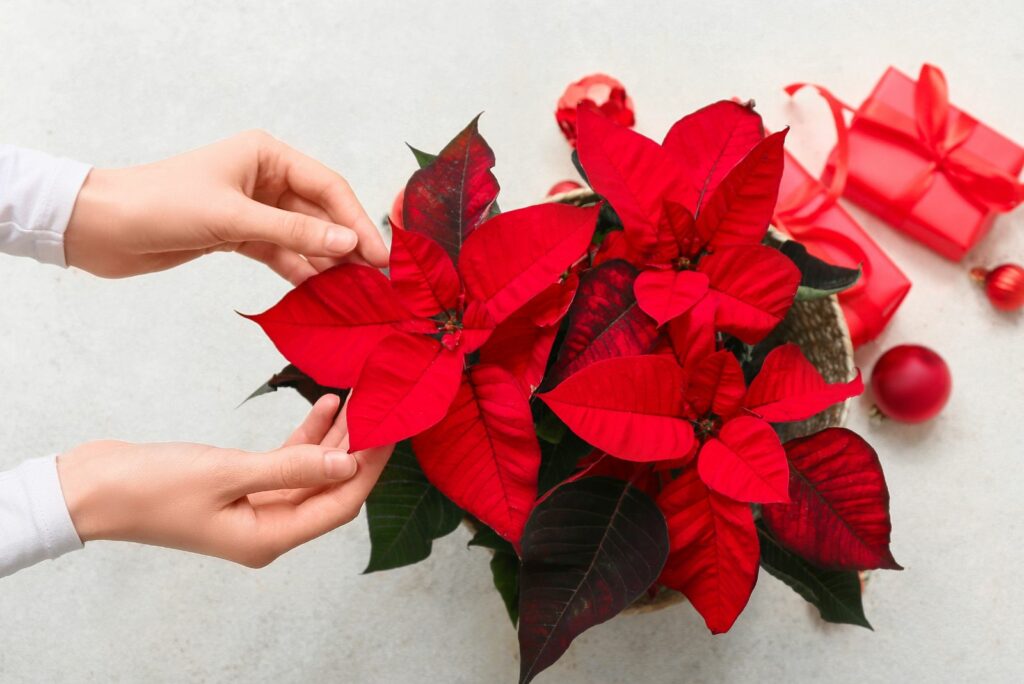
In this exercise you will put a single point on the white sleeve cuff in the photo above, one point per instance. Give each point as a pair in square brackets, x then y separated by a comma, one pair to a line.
[37, 196]
[34, 521]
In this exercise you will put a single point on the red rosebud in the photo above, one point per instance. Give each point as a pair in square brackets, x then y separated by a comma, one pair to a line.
[605, 93]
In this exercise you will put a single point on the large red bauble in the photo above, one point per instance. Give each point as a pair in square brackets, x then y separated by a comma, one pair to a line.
[910, 383]
[1004, 285]
[605, 93]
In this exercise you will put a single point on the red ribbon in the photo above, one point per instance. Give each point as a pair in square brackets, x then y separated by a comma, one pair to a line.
[797, 214]
[939, 137]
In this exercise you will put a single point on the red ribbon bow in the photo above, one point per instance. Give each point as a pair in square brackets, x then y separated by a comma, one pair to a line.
[939, 136]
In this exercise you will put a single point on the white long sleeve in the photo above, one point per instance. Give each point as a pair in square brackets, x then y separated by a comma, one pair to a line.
[34, 521]
[37, 196]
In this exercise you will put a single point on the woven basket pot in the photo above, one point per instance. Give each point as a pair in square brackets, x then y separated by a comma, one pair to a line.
[819, 327]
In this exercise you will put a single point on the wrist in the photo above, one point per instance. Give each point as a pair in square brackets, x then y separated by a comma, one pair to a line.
[96, 217]
[87, 494]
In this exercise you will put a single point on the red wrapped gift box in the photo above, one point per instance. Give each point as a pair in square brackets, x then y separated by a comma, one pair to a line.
[830, 233]
[926, 167]
[808, 212]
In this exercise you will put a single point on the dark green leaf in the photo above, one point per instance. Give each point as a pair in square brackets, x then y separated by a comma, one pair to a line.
[559, 461]
[422, 158]
[607, 220]
[751, 357]
[504, 568]
[579, 167]
[818, 278]
[549, 427]
[589, 550]
[406, 513]
[292, 377]
[505, 573]
[835, 593]
[487, 538]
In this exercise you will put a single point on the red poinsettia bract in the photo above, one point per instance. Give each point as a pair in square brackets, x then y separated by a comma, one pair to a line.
[648, 408]
[694, 212]
[456, 278]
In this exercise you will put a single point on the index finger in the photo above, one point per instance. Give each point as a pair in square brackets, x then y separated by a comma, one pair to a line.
[315, 182]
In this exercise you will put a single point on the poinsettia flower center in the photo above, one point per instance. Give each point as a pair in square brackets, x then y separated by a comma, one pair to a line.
[707, 427]
[449, 329]
[683, 264]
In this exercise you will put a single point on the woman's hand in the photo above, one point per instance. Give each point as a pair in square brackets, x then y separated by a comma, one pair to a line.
[246, 507]
[251, 194]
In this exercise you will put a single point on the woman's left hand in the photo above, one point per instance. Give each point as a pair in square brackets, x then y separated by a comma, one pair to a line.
[246, 507]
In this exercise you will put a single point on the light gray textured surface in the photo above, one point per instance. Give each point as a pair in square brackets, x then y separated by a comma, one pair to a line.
[163, 357]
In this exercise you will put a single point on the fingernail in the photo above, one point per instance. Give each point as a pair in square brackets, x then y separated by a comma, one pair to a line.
[340, 240]
[339, 465]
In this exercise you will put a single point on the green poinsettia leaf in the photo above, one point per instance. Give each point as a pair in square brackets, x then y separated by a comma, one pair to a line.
[505, 573]
[559, 461]
[550, 428]
[422, 158]
[504, 568]
[292, 377]
[487, 538]
[406, 513]
[752, 356]
[835, 593]
[818, 278]
[579, 167]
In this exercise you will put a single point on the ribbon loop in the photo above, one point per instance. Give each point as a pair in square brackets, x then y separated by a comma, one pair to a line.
[939, 137]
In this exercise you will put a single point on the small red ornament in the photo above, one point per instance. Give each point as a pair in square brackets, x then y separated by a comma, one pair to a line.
[395, 217]
[1004, 285]
[910, 383]
[562, 187]
[605, 93]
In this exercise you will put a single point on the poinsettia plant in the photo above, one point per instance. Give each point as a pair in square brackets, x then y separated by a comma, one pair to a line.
[596, 390]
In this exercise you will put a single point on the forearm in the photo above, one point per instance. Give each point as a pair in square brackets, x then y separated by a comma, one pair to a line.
[34, 521]
[37, 197]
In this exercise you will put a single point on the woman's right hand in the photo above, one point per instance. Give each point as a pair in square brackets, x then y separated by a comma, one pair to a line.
[250, 194]
[245, 507]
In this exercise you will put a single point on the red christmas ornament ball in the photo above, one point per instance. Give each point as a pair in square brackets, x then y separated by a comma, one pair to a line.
[1004, 285]
[395, 217]
[563, 186]
[602, 91]
[911, 383]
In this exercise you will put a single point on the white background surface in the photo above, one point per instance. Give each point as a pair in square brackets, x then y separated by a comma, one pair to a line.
[165, 358]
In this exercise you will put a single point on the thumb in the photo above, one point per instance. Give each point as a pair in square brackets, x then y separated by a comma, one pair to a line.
[293, 467]
[302, 233]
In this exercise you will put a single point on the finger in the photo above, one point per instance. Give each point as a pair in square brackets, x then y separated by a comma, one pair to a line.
[324, 187]
[289, 201]
[292, 467]
[284, 262]
[298, 232]
[337, 435]
[314, 429]
[329, 509]
[317, 423]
